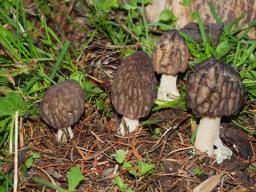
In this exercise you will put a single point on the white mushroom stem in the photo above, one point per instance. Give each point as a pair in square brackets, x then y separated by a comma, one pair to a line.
[167, 90]
[207, 137]
[61, 136]
[131, 124]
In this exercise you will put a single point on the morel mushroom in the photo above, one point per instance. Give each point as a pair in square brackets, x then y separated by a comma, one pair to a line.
[62, 106]
[170, 56]
[214, 90]
[213, 30]
[133, 90]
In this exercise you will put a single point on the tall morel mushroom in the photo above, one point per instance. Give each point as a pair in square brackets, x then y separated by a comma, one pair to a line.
[170, 56]
[62, 106]
[133, 90]
[214, 90]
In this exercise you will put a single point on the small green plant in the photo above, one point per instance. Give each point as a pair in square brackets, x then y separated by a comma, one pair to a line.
[251, 168]
[198, 172]
[9, 104]
[120, 155]
[74, 177]
[6, 181]
[137, 168]
[156, 133]
[121, 185]
[166, 20]
[29, 162]
[179, 103]
[186, 2]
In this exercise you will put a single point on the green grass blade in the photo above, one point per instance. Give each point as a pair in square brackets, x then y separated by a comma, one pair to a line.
[214, 13]
[59, 59]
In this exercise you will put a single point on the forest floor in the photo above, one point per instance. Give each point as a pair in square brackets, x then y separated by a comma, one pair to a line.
[159, 156]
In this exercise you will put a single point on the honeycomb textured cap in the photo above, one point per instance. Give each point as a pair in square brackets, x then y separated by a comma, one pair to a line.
[170, 55]
[215, 89]
[63, 104]
[133, 90]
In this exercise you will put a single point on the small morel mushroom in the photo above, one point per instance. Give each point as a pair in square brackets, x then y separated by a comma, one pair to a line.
[62, 106]
[213, 30]
[133, 90]
[170, 56]
[214, 90]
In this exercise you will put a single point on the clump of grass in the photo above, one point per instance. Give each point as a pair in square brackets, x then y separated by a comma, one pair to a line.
[124, 23]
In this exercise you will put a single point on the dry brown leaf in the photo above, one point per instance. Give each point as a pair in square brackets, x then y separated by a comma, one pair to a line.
[209, 184]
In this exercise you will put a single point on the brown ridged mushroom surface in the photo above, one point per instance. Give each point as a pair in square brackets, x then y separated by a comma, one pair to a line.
[214, 90]
[133, 88]
[170, 56]
[63, 105]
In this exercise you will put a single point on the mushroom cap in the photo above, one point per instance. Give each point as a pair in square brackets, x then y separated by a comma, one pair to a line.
[63, 104]
[170, 55]
[215, 89]
[213, 30]
[133, 90]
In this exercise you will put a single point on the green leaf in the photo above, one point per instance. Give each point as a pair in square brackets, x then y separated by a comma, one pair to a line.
[128, 6]
[13, 102]
[30, 160]
[144, 168]
[101, 105]
[197, 171]
[74, 178]
[4, 124]
[131, 169]
[139, 170]
[156, 133]
[2, 189]
[167, 15]
[120, 155]
[138, 30]
[78, 76]
[179, 103]
[223, 48]
[214, 13]
[145, 2]
[128, 52]
[121, 185]
[105, 5]
[186, 2]
[127, 165]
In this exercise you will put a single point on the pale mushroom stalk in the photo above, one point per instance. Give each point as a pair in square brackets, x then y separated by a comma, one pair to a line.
[207, 137]
[62, 136]
[131, 124]
[167, 90]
